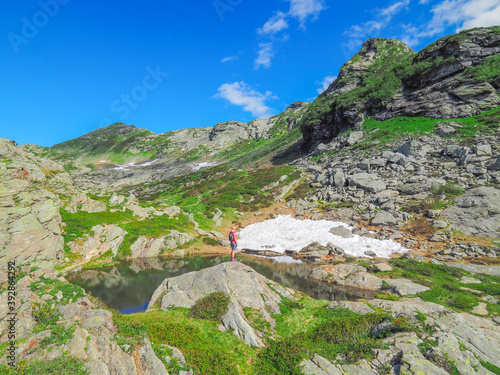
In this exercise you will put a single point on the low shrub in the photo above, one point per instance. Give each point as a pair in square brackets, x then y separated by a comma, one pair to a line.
[211, 307]
[210, 241]
[281, 357]
[420, 227]
[45, 314]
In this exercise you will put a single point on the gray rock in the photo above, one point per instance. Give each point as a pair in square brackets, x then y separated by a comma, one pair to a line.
[225, 134]
[367, 181]
[440, 224]
[445, 130]
[353, 138]
[383, 218]
[318, 365]
[217, 234]
[495, 166]
[409, 148]
[403, 287]
[433, 213]
[382, 267]
[476, 212]
[357, 307]
[476, 268]
[483, 150]
[342, 232]
[339, 179]
[362, 280]
[148, 362]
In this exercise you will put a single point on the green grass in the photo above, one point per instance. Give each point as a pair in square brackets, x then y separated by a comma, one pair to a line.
[80, 223]
[491, 367]
[60, 366]
[445, 286]
[207, 350]
[487, 70]
[389, 130]
[219, 187]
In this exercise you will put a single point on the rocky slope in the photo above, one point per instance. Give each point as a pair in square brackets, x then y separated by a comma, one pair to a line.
[57, 321]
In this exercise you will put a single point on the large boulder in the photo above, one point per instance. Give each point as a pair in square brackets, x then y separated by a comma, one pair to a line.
[103, 238]
[476, 212]
[367, 181]
[245, 287]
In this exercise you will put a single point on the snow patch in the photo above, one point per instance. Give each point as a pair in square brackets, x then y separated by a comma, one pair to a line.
[197, 167]
[126, 167]
[287, 233]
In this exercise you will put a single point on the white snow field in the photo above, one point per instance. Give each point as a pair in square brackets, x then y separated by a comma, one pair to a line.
[287, 233]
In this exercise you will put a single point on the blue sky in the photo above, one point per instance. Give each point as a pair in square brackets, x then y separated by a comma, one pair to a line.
[68, 67]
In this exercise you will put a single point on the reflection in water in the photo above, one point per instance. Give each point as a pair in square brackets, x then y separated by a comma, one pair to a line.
[128, 287]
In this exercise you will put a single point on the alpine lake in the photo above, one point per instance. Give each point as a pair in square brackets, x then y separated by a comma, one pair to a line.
[129, 285]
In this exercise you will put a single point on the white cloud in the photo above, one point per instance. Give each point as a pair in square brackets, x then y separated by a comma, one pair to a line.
[275, 24]
[228, 59]
[239, 93]
[265, 54]
[463, 14]
[358, 33]
[325, 83]
[302, 10]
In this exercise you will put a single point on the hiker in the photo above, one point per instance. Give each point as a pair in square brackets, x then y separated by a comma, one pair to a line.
[234, 242]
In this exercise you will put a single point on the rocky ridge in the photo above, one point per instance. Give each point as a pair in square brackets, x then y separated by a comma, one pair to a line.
[386, 79]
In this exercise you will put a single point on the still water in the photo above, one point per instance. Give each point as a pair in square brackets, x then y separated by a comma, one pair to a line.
[128, 287]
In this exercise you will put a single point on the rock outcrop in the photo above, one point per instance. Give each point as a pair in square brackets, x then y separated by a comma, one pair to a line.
[245, 287]
[477, 212]
[463, 339]
[102, 239]
[29, 212]
[434, 83]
